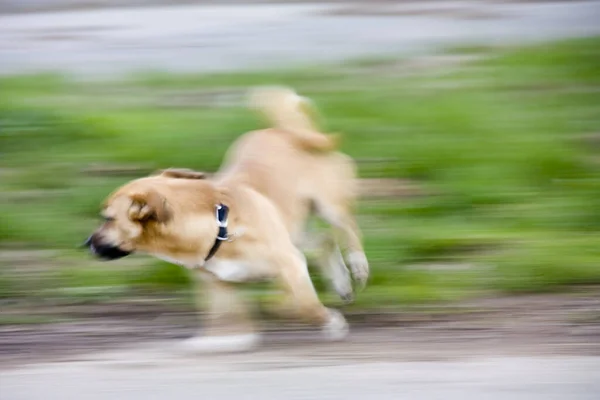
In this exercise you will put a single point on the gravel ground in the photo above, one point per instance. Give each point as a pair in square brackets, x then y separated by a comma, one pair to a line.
[567, 324]
[530, 347]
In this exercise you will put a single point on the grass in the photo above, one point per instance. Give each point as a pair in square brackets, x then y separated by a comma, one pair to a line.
[516, 198]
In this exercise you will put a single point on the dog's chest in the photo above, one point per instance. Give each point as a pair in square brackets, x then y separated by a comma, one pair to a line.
[187, 262]
[224, 269]
[236, 271]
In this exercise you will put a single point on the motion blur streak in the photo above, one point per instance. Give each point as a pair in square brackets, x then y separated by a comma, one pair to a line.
[476, 129]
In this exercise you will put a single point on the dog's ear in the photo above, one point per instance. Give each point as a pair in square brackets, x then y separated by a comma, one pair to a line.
[148, 206]
[181, 173]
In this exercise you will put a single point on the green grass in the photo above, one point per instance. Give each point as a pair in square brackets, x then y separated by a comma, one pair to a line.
[517, 195]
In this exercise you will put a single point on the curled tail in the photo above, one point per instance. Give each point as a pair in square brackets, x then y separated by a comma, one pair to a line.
[287, 111]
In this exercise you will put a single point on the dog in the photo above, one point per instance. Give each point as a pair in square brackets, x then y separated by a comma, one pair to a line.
[248, 222]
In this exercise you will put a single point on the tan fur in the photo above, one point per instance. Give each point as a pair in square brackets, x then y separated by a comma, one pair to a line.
[182, 173]
[287, 111]
[148, 205]
[276, 163]
[272, 180]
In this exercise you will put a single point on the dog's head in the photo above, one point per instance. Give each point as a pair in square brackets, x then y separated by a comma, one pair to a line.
[139, 216]
[132, 217]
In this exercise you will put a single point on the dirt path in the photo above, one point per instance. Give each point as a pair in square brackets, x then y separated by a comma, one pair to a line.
[530, 348]
[566, 324]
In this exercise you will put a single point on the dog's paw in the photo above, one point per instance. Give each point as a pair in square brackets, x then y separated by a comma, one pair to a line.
[347, 297]
[336, 328]
[342, 283]
[359, 265]
[221, 344]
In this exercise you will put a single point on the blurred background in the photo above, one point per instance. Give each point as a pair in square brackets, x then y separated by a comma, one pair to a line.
[476, 126]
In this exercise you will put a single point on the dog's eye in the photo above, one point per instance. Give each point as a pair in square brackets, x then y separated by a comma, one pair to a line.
[107, 219]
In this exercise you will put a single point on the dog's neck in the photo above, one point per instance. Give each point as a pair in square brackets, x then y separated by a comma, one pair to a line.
[187, 238]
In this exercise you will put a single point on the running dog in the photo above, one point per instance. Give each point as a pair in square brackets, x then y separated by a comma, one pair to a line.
[248, 221]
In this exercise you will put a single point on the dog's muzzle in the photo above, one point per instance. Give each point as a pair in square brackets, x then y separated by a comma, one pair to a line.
[104, 251]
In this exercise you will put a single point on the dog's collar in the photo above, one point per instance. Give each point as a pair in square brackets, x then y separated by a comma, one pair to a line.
[221, 211]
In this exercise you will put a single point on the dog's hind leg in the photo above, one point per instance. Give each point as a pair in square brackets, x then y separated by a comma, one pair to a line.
[331, 262]
[322, 250]
[340, 216]
[334, 195]
[228, 326]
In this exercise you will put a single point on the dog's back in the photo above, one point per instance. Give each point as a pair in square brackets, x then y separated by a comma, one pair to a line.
[301, 171]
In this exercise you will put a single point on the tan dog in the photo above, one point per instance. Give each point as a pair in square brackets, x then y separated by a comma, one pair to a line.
[269, 183]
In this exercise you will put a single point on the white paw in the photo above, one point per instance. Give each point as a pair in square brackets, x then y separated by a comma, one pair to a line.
[341, 280]
[359, 265]
[336, 328]
[344, 289]
[221, 344]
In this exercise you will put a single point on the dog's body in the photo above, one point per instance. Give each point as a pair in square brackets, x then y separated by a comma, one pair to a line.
[271, 180]
[298, 169]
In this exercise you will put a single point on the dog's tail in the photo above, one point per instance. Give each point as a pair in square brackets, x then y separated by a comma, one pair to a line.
[286, 110]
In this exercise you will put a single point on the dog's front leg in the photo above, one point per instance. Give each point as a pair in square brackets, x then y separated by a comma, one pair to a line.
[300, 292]
[227, 323]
